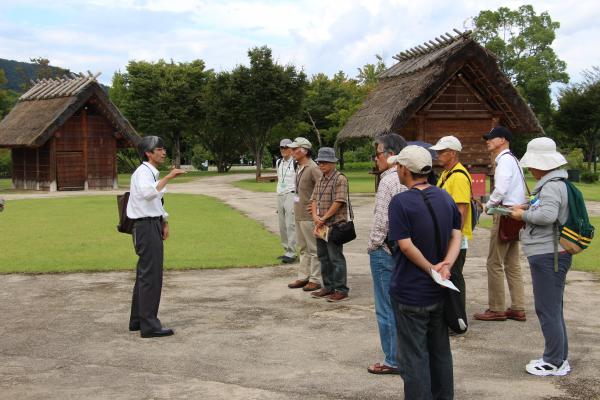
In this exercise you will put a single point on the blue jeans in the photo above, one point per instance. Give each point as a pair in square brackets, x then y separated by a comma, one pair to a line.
[382, 265]
[333, 265]
[424, 355]
[548, 290]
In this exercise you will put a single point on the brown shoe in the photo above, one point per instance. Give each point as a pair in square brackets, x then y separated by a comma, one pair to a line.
[322, 293]
[489, 315]
[297, 284]
[515, 314]
[338, 296]
[310, 286]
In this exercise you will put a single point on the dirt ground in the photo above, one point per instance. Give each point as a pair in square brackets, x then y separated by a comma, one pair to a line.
[242, 334]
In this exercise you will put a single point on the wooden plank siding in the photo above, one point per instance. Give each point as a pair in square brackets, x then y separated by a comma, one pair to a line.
[101, 151]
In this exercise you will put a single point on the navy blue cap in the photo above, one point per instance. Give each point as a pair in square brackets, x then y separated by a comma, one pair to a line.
[499, 131]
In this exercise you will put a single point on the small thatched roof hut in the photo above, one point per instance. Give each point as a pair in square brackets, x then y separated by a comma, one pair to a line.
[448, 86]
[64, 134]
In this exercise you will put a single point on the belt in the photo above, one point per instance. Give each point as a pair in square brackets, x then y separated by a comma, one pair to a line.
[148, 219]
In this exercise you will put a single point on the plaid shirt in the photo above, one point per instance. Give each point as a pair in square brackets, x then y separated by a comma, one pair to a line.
[324, 198]
[389, 186]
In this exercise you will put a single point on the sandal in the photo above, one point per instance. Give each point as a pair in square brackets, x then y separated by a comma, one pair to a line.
[542, 368]
[382, 369]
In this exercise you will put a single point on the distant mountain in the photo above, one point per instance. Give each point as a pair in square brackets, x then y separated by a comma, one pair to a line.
[18, 74]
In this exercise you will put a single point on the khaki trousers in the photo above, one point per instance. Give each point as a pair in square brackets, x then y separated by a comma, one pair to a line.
[309, 267]
[503, 259]
[287, 226]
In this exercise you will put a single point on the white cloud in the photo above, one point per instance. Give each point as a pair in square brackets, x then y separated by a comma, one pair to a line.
[321, 36]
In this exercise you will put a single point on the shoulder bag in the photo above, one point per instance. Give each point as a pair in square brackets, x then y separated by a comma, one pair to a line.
[342, 232]
[454, 314]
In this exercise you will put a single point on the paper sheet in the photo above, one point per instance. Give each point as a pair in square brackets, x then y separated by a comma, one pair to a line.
[444, 282]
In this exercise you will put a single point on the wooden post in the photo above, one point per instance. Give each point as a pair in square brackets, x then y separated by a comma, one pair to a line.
[421, 128]
[84, 126]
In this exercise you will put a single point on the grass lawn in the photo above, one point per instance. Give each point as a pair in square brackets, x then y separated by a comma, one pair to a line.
[584, 261]
[125, 179]
[360, 182]
[79, 234]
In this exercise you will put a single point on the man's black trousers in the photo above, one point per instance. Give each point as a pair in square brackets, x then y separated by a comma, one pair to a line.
[147, 240]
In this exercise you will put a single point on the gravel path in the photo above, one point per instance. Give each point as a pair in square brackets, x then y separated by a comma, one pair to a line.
[241, 334]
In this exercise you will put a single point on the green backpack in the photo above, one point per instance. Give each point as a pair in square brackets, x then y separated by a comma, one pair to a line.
[577, 233]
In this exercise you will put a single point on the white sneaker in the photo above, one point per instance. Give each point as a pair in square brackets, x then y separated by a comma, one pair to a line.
[564, 366]
[541, 368]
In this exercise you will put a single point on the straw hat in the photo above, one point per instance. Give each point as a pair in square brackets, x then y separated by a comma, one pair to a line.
[541, 154]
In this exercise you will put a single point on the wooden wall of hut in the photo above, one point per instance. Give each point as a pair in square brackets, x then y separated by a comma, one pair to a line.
[80, 155]
[32, 167]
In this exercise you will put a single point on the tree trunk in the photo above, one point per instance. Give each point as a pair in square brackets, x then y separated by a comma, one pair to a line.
[258, 152]
[176, 150]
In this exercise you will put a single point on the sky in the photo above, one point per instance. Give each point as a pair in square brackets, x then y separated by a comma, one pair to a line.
[315, 35]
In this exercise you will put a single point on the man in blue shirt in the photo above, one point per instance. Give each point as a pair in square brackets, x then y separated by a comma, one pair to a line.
[424, 356]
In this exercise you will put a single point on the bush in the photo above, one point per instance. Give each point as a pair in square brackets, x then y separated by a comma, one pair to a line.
[5, 163]
[576, 159]
[589, 177]
[199, 156]
[359, 166]
[363, 153]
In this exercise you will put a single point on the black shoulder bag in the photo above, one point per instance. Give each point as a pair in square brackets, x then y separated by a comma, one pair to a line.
[342, 232]
[454, 315]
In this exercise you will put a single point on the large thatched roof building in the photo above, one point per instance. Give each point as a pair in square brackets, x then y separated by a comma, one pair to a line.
[64, 134]
[448, 86]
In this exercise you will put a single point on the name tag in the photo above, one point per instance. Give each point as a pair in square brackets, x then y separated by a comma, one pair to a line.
[296, 199]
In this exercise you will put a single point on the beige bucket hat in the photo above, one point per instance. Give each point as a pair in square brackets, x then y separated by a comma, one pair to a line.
[541, 154]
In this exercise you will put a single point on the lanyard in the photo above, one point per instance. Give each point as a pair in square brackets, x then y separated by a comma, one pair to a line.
[299, 176]
[286, 171]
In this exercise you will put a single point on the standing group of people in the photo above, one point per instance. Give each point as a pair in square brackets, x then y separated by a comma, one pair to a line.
[312, 195]
[419, 230]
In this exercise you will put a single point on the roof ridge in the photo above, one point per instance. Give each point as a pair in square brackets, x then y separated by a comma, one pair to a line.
[65, 86]
[443, 41]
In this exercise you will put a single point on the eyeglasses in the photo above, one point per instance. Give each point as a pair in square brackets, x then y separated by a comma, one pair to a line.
[283, 147]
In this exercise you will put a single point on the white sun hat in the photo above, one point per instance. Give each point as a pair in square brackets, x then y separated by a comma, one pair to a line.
[541, 154]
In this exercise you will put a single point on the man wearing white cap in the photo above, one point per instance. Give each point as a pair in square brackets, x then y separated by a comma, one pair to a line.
[286, 190]
[307, 176]
[457, 181]
[416, 217]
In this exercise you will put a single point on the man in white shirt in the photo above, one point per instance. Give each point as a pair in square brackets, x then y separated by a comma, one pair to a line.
[286, 190]
[145, 207]
[503, 257]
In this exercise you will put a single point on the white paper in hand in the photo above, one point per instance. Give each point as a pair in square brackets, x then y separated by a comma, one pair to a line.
[444, 282]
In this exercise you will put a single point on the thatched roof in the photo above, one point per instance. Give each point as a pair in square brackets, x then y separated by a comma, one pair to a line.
[50, 103]
[422, 71]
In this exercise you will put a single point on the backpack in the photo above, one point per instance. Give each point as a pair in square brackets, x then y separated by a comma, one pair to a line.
[577, 233]
[476, 207]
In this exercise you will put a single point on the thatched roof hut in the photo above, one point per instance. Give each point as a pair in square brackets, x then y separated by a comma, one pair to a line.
[64, 134]
[448, 86]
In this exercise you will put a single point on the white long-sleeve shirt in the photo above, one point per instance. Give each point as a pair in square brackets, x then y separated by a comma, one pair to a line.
[144, 199]
[286, 176]
[509, 186]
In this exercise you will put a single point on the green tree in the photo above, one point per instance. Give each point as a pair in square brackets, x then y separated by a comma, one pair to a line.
[4, 98]
[218, 132]
[162, 98]
[266, 93]
[522, 41]
[578, 114]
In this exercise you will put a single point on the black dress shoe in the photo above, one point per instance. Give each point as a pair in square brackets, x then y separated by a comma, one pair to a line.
[160, 333]
[134, 327]
[288, 260]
